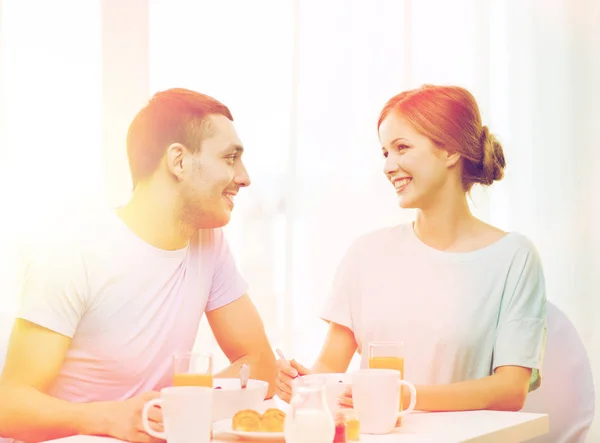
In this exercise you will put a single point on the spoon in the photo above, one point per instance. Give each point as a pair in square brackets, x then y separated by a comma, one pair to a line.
[244, 375]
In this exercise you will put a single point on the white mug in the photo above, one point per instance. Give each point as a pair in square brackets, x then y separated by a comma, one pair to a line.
[187, 414]
[376, 398]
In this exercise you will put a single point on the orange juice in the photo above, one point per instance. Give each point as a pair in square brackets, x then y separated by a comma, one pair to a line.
[193, 380]
[396, 363]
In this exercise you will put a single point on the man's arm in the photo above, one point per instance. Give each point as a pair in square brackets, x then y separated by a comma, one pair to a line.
[337, 351]
[33, 360]
[35, 355]
[240, 333]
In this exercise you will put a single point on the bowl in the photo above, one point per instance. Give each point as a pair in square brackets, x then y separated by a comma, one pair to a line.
[335, 385]
[229, 397]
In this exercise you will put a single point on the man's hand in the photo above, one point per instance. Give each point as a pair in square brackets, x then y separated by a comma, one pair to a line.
[124, 418]
[27, 413]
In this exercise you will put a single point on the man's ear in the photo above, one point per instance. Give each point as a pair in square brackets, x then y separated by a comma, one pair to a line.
[175, 158]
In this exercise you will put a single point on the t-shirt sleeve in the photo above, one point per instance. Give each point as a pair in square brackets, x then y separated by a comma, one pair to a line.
[55, 289]
[521, 332]
[227, 283]
[338, 305]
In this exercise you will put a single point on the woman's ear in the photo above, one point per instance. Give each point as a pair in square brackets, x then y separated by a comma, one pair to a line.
[452, 159]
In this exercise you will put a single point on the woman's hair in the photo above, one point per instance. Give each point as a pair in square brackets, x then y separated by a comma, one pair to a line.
[449, 116]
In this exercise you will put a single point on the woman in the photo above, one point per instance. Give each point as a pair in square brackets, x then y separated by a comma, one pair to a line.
[466, 298]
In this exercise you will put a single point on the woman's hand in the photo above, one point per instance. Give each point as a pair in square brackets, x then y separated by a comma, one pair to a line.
[286, 372]
[345, 401]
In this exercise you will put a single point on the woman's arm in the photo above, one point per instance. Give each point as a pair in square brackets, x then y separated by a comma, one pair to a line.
[335, 356]
[505, 390]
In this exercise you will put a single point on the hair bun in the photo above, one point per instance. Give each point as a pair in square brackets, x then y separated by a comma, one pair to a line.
[493, 164]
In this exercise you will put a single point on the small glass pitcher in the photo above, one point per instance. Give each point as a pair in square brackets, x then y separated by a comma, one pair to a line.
[309, 419]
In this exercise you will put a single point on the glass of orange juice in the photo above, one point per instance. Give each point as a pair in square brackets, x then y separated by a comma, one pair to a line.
[388, 355]
[192, 369]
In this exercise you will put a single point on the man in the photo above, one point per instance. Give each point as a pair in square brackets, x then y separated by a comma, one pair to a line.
[105, 308]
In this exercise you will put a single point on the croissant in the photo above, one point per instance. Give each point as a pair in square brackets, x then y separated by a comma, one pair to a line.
[272, 420]
[249, 420]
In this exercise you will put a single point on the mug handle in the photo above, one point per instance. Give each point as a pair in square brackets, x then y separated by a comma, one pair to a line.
[413, 398]
[149, 431]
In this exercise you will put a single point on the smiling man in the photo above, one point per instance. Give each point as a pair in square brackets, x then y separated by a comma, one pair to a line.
[105, 309]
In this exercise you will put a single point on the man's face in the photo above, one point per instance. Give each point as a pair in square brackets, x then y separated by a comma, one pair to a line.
[213, 176]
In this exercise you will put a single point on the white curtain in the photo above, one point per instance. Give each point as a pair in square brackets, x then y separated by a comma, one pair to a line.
[50, 125]
[305, 80]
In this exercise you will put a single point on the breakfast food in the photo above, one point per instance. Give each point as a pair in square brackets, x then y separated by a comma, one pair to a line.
[249, 420]
[272, 420]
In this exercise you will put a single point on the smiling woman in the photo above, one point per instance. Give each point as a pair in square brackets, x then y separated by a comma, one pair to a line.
[466, 298]
[439, 127]
[51, 125]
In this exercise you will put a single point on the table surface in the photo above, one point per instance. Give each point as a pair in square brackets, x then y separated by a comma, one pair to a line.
[424, 427]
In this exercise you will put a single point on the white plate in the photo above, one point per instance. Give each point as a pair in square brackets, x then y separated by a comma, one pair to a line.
[224, 427]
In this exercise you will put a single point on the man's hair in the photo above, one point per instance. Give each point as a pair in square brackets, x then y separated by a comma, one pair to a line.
[173, 116]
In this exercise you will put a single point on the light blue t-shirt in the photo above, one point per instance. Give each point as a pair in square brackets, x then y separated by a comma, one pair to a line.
[459, 315]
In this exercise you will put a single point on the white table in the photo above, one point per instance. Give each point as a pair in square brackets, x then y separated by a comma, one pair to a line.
[426, 427]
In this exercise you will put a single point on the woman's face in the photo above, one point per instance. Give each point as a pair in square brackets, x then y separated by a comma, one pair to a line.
[415, 166]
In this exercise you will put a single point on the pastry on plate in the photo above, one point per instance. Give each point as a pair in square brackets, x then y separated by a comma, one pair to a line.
[247, 420]
[272, 420]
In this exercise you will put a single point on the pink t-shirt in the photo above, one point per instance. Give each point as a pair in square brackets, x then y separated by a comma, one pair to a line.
[127, 305]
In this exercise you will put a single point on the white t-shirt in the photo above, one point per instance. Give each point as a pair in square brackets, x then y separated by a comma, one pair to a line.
[127, 305]
[459, 315]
